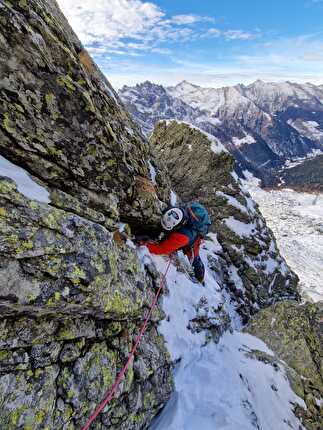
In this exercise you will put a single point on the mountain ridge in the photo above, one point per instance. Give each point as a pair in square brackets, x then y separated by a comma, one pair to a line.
[262, 123]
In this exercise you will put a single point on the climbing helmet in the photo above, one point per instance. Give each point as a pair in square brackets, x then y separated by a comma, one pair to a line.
[172, 219]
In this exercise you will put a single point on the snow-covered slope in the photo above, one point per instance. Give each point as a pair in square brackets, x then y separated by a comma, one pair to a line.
[260, 96]
[297, 222]
[222, 385]
[274, 97]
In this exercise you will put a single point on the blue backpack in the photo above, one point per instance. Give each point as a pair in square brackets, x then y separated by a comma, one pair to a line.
[199, 219]
[198, 222]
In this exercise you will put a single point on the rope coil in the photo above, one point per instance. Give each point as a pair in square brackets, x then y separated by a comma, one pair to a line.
[110, 393]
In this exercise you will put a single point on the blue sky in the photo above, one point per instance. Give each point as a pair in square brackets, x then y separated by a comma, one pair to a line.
[210, 43]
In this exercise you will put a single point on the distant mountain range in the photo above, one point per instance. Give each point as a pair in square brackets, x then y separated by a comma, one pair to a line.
[263, 124]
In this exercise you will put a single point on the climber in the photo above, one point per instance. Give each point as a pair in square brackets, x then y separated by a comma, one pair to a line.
[185, 227]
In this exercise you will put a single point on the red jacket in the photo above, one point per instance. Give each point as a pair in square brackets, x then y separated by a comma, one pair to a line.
[174, 242]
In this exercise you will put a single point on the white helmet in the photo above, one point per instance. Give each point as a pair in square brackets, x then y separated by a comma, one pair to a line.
[172, 218]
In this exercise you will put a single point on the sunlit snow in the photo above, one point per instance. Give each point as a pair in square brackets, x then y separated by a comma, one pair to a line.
[297, 222]
[217, 386]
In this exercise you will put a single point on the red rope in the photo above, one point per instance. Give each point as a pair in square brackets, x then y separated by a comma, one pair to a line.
[109, 394]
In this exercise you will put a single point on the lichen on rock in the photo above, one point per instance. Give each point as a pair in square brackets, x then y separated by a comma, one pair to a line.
[72, 299]
[294, 334]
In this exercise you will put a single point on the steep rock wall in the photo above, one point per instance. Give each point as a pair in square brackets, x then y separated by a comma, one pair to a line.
[71, 297]
[61, 119]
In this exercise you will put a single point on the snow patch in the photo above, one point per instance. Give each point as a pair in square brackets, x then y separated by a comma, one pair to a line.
[240, 228]
[152, 172]
[296, 221]
[247, 140]
[232, 201]
[309, 129]
[218, 386]
[173, 198]
[25, 185]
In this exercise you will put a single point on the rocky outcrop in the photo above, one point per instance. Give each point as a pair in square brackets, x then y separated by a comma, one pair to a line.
[72, 298]
[294, 334]
[201, 168]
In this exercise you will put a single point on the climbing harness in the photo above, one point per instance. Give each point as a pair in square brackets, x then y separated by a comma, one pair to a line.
[110, 393]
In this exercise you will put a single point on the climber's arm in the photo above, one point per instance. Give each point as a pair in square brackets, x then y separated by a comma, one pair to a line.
[173, 243]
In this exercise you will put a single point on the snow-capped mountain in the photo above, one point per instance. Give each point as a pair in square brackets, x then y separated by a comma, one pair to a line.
[150, 103]
[262, 124]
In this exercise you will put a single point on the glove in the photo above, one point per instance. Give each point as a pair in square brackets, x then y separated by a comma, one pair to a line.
[141, 240]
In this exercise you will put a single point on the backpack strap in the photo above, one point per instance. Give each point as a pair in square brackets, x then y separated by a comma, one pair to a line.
[192, 214]
[192, 234]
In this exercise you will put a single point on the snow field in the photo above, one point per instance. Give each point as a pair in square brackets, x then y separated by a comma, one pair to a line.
[296, 220]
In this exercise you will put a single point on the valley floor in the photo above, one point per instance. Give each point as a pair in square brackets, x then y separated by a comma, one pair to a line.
[296, 220]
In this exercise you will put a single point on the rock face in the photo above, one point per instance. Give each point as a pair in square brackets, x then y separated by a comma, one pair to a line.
[72, 298]
[294, 334]
[201, 168]
[61, 119]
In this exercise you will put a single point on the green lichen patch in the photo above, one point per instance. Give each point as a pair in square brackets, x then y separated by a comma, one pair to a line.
[66, 82]
[293, 333]
[7, 124]
[71, 299]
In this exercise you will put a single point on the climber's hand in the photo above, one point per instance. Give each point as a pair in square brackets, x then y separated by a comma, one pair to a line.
[141, 240]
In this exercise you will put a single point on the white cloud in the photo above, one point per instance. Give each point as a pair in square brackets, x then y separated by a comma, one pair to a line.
[126, 24]
[231, 34]
[111, 20]
[297, 59]
[239, 35]
[213, 32]
[190, 19]
[120, 32]
[130, 27]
